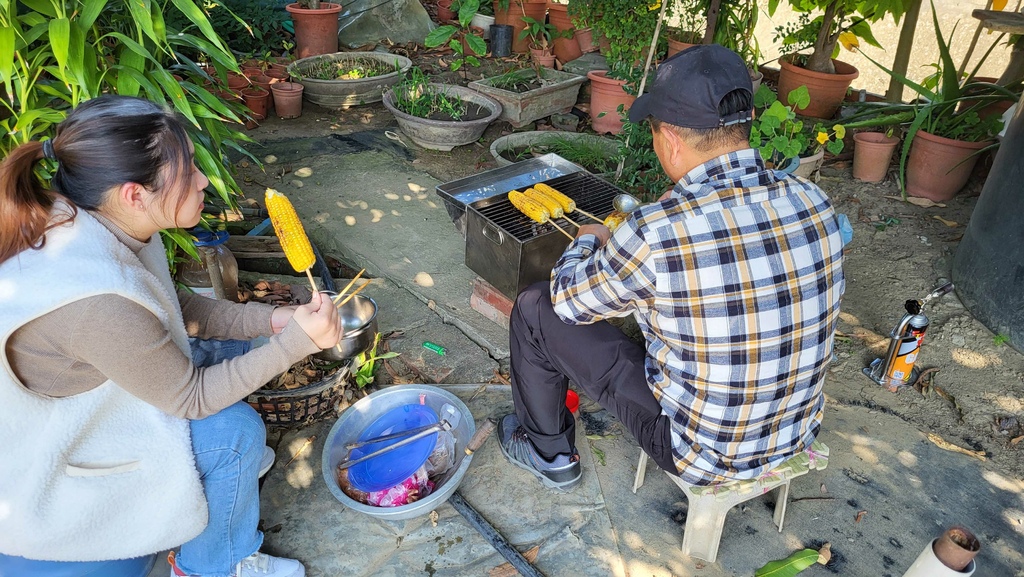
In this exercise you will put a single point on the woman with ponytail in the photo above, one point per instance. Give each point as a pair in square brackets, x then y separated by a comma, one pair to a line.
[115, 445]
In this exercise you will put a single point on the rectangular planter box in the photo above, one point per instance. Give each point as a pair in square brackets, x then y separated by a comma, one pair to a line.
[520, 109]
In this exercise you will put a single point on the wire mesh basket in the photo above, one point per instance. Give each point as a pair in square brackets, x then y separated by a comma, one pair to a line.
[303, 406]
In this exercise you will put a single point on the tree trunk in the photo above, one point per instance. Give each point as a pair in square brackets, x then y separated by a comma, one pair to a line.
[712, 18]
[820, 59]
[1015, 68]
[903, 49]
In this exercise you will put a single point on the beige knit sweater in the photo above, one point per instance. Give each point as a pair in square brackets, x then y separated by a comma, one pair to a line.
[79, 346]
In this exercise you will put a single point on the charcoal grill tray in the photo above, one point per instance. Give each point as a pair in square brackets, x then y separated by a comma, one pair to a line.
[591, 194]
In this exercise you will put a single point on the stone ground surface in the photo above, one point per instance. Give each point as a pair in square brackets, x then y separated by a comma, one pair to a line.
[370, 202]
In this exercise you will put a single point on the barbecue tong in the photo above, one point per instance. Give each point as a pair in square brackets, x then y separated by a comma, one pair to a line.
[450, 419]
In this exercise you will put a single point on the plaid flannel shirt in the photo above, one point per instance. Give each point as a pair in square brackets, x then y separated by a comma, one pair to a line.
[735, 281]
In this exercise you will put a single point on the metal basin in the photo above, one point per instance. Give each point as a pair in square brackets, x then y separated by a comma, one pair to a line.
[360, 415]
[359, 319]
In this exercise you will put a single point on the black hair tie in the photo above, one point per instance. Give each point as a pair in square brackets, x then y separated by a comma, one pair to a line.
[48, 150]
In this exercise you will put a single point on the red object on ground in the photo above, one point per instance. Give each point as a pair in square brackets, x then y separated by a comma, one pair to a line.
[572, 401]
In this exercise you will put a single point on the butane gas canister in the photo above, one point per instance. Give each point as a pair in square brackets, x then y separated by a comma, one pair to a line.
[906, 356]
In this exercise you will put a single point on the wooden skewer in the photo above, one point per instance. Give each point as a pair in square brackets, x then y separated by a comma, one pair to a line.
[571, 221]
[348, 286]
[353, 293]
[585, 213]
[312, 283]
[562, 230]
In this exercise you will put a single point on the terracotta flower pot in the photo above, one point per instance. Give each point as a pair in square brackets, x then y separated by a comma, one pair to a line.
[542, 58]
[939, 167]
[956, 548]
[605, 96]
[264, 82]
[566, 49]
[277, 76]
[252, 71]
[514, 17]
[257, 100]
[675, 47]
[444, 11]
[237, 81]
[827, 90]
[585, 37]
[287, 99]
[872, 155]
[254, 120]
[316, 31]
[478, 32]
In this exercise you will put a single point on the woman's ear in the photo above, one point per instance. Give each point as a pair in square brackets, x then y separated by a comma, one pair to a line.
[131, 197]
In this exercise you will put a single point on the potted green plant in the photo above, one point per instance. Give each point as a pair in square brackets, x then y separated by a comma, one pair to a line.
[690, 31]
[316, 27]
[540, 34]
[776, 132]
[467, 45]
[439, 116]
[529, 94]
[594, 153]
[348, 79]
[944, 137]
[834, 23]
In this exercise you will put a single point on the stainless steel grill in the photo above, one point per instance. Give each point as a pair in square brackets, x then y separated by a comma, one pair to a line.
[510, 251]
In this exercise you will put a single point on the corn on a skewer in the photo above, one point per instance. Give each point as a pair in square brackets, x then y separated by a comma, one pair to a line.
[533, 209]
[288, 227]
[546, 201]
[613, 220]
[568, 205]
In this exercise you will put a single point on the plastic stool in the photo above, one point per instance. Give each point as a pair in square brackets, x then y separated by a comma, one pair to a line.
[11, 566]
[708, 505]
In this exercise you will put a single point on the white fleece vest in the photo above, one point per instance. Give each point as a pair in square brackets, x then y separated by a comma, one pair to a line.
[100, 475]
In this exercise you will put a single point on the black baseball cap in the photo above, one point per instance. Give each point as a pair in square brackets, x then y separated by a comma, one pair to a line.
[690, 86]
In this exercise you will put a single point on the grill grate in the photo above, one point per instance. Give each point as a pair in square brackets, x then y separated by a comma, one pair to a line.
[590, 193]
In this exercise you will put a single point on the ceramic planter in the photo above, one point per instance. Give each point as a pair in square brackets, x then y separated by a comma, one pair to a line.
[287, 99]
[445, 134]
[522, 108]
[827, 90]
[483, 22]
[606, 95]
[939, 167]
[542, 137]
[316, 31]
[566, 49]
[346, 93]
[872, 155]
[808, 164]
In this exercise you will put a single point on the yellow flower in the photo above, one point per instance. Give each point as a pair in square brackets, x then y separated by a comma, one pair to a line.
[840, 131]
[822, 137]
[656, 5]
[998, 4]
[849, 40]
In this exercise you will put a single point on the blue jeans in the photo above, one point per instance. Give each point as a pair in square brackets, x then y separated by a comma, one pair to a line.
[228, 447]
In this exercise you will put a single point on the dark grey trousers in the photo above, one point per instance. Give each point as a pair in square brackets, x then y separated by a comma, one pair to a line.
[547, 353]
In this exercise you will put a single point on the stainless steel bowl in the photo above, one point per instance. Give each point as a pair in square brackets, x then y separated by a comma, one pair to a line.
[359, 320]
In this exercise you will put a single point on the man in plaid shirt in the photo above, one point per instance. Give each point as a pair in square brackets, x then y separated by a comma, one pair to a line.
[735, 278]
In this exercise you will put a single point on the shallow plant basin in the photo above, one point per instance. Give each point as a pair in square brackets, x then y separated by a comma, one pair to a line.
[347, 93]
[445, 134]
[521, 108]
[544, 137]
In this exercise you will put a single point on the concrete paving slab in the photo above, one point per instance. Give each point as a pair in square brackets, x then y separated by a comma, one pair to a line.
[363, 201]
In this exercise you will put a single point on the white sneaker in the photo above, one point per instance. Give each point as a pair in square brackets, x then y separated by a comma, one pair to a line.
[268, 460]
[263, 565]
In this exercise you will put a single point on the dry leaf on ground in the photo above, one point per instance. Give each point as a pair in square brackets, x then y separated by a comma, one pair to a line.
[949, 223]
[946, 445]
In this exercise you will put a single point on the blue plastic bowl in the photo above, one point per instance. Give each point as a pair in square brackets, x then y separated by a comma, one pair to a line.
[399, 464]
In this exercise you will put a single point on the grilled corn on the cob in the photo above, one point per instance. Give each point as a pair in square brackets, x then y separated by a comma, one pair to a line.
[546, 201]
[613, 220]
[568, 205]
[529, 207]
[288, 227]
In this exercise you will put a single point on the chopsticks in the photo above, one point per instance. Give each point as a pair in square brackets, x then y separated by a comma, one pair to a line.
[348, 286]
[354, 293]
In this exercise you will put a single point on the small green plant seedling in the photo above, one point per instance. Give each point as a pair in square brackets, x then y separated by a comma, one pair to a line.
[1000, 340]
[453, 36]
[367, 363]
